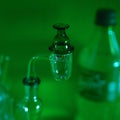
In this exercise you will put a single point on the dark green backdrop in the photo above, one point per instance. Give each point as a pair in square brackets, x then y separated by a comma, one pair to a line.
[26, 30]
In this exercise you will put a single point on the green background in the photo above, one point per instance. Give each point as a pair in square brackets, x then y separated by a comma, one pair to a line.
[26, 30]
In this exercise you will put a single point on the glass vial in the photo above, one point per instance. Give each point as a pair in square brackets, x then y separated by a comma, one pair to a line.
[29, 108]
[61, 56]
[99, 63]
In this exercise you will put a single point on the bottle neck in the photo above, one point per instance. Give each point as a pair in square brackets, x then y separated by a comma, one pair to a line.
[31, 92]
[104, 30]
[103, 48]
[107, 39]
[114, 45]
[61, 34]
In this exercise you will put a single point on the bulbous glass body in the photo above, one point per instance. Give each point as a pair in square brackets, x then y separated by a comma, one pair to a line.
[61, 66]
[29, 108]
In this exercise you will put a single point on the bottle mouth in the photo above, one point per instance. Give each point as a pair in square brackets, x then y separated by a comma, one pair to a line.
[61, 26]
[31, 81]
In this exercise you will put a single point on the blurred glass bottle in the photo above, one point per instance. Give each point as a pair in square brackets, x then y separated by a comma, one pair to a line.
[6, 101]
[99, 63]
[61, 56]
[29, 108]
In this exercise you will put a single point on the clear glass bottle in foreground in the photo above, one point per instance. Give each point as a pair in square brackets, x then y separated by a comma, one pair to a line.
[30, 107]
[99, 63]
[61, 64]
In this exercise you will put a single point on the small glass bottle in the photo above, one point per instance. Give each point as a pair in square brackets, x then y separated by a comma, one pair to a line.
[61, 56]
[30, 107]
[99, 63]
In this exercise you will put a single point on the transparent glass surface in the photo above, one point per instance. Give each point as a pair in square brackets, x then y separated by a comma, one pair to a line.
[99, 77]
[29, 108]
[61, 66]
[6, 101]
[61, 53]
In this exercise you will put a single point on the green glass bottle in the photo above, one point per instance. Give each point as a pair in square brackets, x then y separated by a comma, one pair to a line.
[61, 56]
[99, 63]
[30, 107]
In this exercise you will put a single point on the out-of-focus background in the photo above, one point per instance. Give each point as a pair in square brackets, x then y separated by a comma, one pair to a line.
[26, 30]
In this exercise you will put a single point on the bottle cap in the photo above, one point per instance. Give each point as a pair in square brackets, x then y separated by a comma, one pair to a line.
[105, 17]
[61, 43]
[31, 81]
[61, 26]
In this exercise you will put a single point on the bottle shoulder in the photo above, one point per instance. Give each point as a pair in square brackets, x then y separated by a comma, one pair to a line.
[98, 58]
